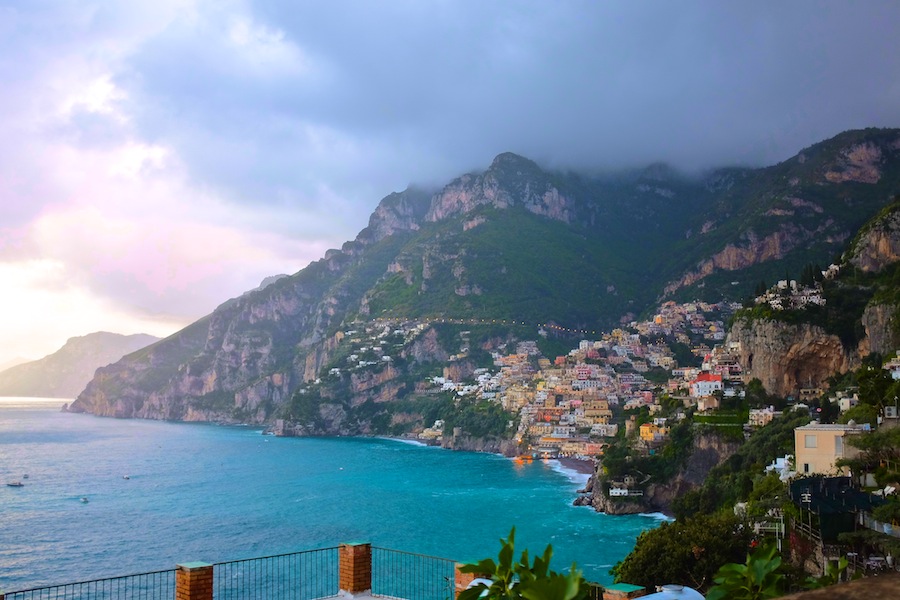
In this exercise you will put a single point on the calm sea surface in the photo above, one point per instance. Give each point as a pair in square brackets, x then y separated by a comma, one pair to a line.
[210, 493]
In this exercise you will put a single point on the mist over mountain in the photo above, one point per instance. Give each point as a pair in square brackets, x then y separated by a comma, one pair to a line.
[519, 244]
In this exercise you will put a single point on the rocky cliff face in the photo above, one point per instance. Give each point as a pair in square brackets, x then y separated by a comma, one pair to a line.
[882, 332]
[510, 181]
[749, 252]
[878, 244]
[709, 451]
[752, 250]
[786, 357]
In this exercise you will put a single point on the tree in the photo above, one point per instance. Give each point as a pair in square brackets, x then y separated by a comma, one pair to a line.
[875, 386]
[859, 414]
[687, 553]
[512, 580]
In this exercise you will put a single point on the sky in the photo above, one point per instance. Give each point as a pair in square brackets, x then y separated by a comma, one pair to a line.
[158, 157]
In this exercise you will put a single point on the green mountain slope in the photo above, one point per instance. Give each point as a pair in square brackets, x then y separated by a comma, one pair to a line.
[513, 243]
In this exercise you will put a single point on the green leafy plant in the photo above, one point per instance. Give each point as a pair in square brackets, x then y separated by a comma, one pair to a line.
[834, 572]
[511, 580]
[757, 579]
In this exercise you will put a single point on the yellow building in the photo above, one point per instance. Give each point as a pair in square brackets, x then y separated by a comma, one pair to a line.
[817, 446]
[597, 411]
[653, 433]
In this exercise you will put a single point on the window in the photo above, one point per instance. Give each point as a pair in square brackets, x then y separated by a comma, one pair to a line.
[809, 441]
[839, 446]
[806, 467]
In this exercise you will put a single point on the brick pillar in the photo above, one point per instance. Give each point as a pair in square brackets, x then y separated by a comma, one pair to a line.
[194, 581]
[462, 580]
[355, 562]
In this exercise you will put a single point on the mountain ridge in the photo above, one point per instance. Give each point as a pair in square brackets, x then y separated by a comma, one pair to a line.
[514, 242]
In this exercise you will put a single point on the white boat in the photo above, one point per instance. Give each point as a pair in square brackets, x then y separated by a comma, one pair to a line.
[15, 484]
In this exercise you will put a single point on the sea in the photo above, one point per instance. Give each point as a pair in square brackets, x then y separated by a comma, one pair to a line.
[106, 497]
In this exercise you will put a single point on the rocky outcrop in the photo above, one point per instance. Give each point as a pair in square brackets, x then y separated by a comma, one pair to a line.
[751, 251]
[709, 451]
[459, 370]
[426, 348]
[786, 357]
[882, 331]
[400, 211]
[878, 244]
[860, 163]
[510, 181]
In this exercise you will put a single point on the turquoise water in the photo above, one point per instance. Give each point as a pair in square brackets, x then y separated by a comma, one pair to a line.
[210, 493]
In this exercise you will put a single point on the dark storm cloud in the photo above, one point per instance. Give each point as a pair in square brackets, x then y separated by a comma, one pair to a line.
[424, 91]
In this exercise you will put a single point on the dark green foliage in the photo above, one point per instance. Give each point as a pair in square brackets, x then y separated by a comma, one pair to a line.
[480, 418]
[756, 579]
[512, 580]
[859, 414]
[620, 460]
[688, 552]
[733, 480]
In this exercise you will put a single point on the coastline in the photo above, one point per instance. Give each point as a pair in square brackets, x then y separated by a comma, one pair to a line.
[584, 467]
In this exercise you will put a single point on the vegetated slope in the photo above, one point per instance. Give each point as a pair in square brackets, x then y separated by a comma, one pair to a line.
[789, 349]
[64, 373]
[519, 243]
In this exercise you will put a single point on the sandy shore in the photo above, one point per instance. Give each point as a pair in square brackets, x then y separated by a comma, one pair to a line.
[582, 466]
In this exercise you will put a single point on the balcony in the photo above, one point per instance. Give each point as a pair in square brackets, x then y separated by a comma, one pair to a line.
[356, 570]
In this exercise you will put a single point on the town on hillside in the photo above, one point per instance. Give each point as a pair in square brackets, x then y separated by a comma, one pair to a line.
[621, 401]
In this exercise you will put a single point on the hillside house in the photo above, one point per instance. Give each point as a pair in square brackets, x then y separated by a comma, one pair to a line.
[705, 384]
[818, 446]
[760, 417]
[652, 433]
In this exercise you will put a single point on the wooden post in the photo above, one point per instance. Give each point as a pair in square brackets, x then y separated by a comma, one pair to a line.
[194, 581]
[355, 563]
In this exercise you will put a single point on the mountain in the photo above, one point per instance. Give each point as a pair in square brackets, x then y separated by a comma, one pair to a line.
[13, 362]
[64, 373]
[513, 246]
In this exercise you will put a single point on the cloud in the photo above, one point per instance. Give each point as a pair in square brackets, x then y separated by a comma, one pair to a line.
[169, 154]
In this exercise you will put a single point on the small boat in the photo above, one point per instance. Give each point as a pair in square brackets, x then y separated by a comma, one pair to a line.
[84, 500]
[125, 477]
[15, 484]
[25, 476]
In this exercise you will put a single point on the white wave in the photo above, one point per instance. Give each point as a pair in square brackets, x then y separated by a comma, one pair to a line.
[658, 516]
[409, 441]
[571, 474]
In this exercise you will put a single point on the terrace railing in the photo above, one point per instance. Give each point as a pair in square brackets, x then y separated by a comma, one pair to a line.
[310, 575]
[399, 574]
[156, 585]
[296, 576]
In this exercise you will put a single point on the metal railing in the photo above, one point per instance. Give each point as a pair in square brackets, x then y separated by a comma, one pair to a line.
[155, 585]
[411, 576]
[870, 522]
[296, 576]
